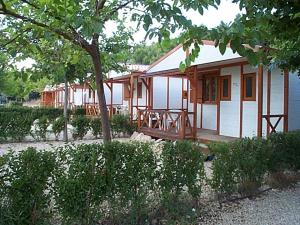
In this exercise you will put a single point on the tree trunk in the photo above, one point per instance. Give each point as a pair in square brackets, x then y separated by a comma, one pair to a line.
[95, 54]
[65, 137]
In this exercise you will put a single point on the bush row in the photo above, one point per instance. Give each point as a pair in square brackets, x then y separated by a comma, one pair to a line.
[112, 183]
[242, 166]
[17, 122]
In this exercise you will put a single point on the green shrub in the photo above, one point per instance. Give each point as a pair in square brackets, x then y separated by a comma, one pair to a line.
[81, 125]
[240, 165]
[182, 172]
[96, 126]
[131, 172]
[14, 126]
[285, 153]
[79, 111]
[121, 124]
[16, 122]
[58, 126]
[25, 187]
[41, 128]
[79, 183]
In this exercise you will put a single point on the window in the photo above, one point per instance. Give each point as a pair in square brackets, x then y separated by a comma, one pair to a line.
[199, 95]
[184, 94]
[210, 89]
[139, 90]
[225, 88]
[249, 87]
[126, 91]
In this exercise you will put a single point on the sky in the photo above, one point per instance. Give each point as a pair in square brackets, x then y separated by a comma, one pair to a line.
[212, 17]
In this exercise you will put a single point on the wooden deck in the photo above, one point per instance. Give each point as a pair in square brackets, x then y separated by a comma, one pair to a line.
[206, 136]
[174, 125]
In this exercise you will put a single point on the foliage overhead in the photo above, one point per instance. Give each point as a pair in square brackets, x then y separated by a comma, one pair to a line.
[272, 25]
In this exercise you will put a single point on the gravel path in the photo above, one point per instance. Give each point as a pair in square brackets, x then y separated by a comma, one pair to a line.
[272, 208]
[18, 146]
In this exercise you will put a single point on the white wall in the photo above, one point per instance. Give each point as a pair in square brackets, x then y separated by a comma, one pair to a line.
[294, 102]
[277, 96]
[159, 92]
[209, 116]
[175, 93]
[230, 110]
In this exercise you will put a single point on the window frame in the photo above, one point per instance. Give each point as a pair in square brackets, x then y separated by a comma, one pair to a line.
[222, 97]
[210, 77]
[253, 97]
[139, 89]
[126, 91]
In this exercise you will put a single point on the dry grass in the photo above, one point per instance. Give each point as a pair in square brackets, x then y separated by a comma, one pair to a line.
[282, 180]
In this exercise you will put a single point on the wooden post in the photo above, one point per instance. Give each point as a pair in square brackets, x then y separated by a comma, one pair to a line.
[183, 124]
[131, 98]
[260, 100]
[286, 101]
[137, 97]
[111, 99]
[195, 103]
[241, 99]
[268, 99]
[168, 93]
[139, 119]
[151, 92]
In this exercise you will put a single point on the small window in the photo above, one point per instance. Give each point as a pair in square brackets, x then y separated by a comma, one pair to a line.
[225, 88]
[139, 89]
[249, 87]
[210, 89]
[184, 94]
[90, 93]
[126, 91]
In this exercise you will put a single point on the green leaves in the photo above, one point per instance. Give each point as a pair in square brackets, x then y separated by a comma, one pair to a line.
[147, 22]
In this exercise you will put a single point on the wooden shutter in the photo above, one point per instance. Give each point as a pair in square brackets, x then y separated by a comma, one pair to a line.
[126, 91]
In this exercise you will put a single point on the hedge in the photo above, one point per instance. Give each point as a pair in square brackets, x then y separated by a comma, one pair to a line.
[112, 183]
[242, 165]
[16, 122]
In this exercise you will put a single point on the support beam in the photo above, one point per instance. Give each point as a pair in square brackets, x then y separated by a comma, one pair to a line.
[286, 101]
[195, 103]
[131, 98]
[168, 93]
[111, 100]
[145, 83]
[259, 100]
[268, 99]
[241, 99]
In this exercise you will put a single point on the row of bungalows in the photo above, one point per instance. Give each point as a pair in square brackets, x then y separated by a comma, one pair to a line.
[218, 97]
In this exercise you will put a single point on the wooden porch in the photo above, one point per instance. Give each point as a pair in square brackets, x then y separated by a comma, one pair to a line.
[166, 124]
[174, 125]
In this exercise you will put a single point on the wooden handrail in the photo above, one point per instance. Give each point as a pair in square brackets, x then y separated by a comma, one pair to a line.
[168, 121]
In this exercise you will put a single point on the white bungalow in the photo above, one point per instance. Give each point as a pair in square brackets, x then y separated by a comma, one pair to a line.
[218, 96]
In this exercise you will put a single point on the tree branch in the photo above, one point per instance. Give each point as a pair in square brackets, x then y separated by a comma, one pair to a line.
[3, 5]
[99, 5]
[74, 37]
[116, 9]
[15, 38]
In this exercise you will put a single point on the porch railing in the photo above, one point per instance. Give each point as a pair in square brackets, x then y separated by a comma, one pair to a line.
[166, 124]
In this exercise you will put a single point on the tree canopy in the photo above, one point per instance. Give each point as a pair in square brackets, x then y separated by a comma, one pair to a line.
[84, 24]
[274, 25]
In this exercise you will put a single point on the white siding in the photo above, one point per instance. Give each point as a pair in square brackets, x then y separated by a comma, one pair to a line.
[209, 117]
[159, 92]
[208, 54]
[175, 93]
[230, 110]
[294, 102]
[277, 96]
